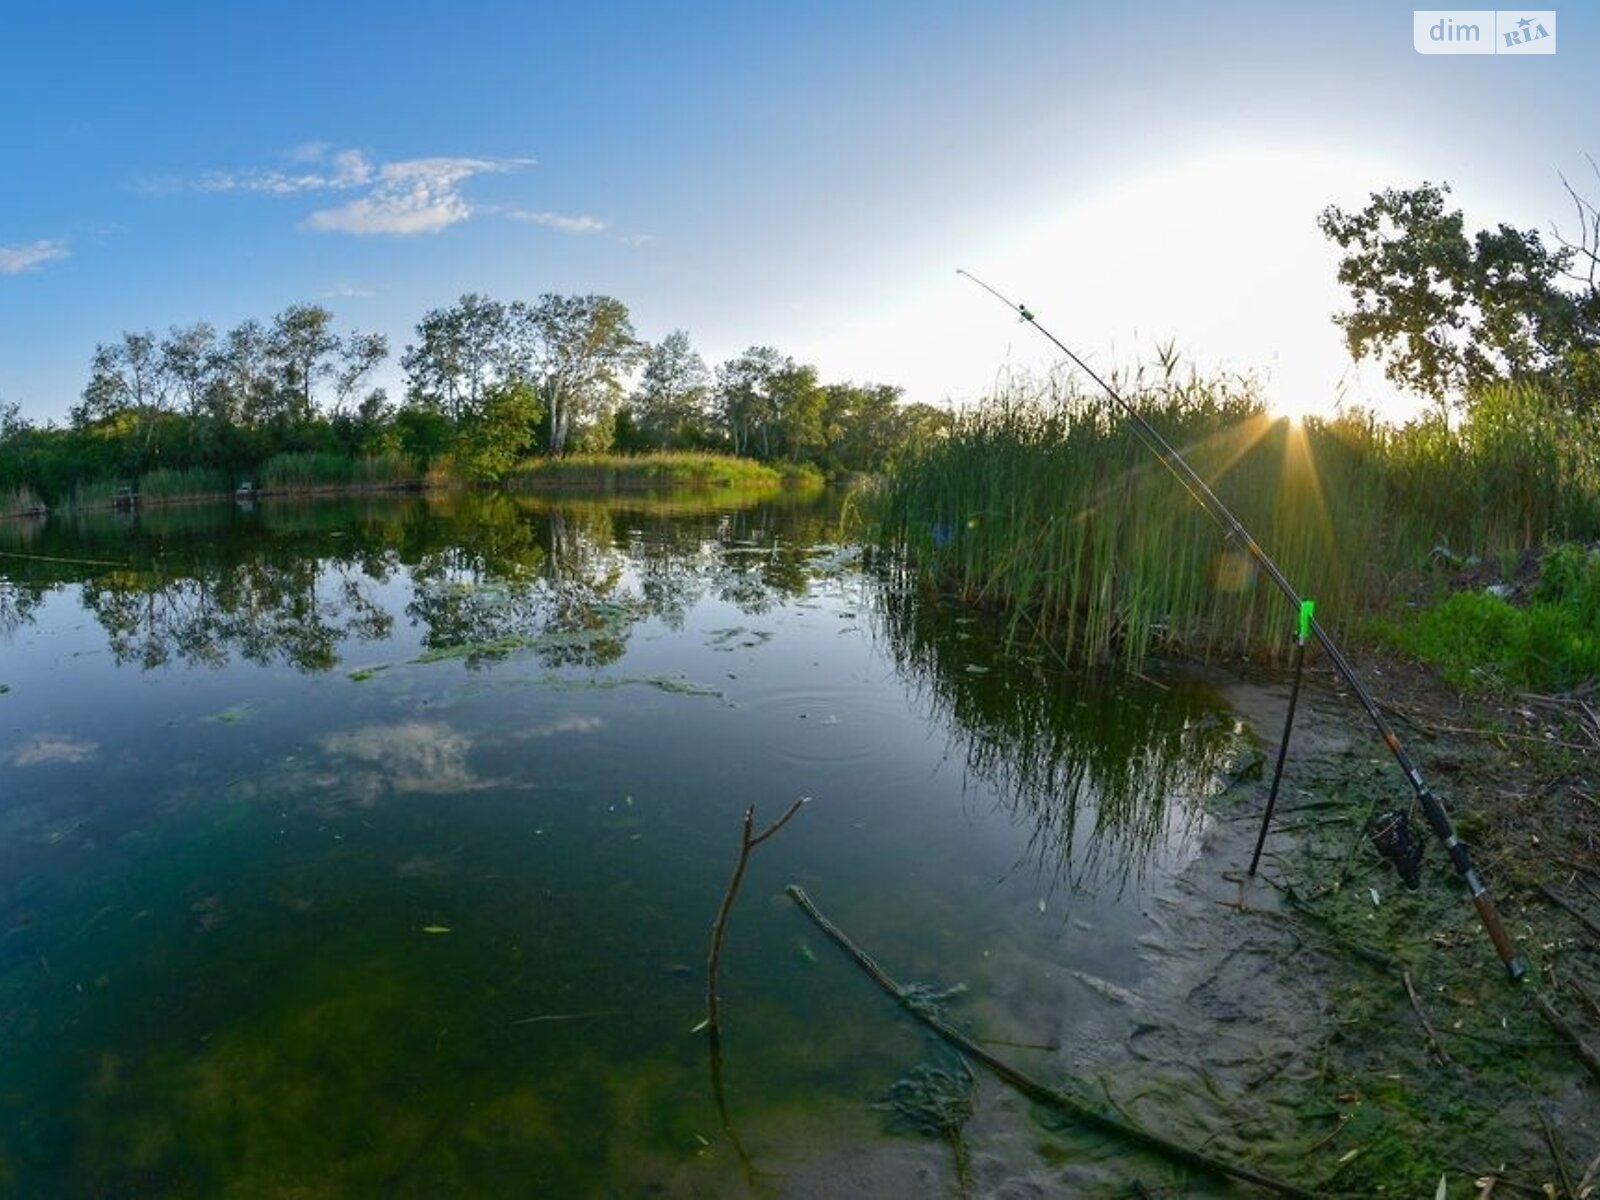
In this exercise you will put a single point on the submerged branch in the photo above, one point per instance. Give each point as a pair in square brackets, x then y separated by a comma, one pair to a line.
[1568, 1034]
[1029, 1087]
[748, 841]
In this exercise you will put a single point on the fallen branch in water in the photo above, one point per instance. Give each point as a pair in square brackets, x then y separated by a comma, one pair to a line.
[1570, 1035]
[1576, 914]
[1029, 1087]
[1416, 1006]
[1557, 1156]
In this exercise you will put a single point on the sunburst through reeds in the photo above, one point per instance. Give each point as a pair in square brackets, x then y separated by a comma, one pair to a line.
[1044, 505]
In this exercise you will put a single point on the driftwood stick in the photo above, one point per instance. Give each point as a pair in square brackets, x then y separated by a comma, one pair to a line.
[748, 841]
[1589, 1175]
[1416, 1007]
[1558, 1157]
[1582, 918]
[1029, 1087]
[1586, 996]
[1568, 1034]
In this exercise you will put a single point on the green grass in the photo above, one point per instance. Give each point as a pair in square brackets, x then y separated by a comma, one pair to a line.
[667, 471]
[1044, 506]
[1478, 640]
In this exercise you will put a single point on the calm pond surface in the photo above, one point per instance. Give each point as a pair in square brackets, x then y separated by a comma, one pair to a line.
[372, 847]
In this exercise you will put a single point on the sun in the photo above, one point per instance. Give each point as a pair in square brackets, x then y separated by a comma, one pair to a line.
[1294, 409]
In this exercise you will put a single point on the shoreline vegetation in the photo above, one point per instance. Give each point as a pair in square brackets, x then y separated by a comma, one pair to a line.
[321, 474]
[1045, 510]
[554, 392]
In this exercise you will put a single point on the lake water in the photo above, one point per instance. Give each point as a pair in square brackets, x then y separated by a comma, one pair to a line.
[372, 847]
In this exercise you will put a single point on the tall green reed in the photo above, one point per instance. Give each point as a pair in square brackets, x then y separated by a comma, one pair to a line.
[1044, 506]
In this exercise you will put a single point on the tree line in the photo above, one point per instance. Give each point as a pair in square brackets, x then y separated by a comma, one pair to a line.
[487, 384]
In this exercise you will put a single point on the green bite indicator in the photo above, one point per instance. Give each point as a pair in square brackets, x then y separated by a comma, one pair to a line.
[1307, 608]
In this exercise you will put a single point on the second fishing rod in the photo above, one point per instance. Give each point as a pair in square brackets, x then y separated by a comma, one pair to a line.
[1432, 808]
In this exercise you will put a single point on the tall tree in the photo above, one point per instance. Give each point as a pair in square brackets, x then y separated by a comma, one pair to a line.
[189, 362]
[242, 385]
[125, 377]
[670, 402]
[799, 402]
[303, 346]
[360, 354]
[744, 399]
[578, 349]
[1445, 313]
[460, 352]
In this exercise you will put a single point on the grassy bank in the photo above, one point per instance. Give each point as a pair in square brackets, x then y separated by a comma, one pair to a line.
[670, 471]
[1044, 506]
[1542, 635]
[282, 474]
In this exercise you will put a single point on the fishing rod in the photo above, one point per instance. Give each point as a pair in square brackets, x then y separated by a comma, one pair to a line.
[1197, 487]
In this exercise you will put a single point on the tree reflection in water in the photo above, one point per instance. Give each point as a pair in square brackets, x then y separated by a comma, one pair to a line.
[295, 583]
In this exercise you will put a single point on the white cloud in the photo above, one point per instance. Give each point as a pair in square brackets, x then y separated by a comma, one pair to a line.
[637, 239]
[52, 749]
[344, 169]
[413, 756]
[348, 291]
[581, 223]
[400, 198]
[14, 260]
[564, 725]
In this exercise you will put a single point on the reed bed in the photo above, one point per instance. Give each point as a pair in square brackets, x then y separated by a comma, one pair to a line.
[98, 493]
[312, 471]
[670, 471]
[20, 502]
[1044, 506]
[183, 484]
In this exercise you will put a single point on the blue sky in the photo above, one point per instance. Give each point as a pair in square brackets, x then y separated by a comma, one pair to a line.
[805, 176]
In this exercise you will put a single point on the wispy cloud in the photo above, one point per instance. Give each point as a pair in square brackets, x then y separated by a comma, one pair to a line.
[14, 260]
[419, 195]
[348, 291]
[580, 223]
[637, 239]
[399, 198]
[330, 170]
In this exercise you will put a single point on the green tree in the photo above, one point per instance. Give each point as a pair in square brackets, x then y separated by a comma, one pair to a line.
[189, 362]
[303, 347]
[460, 352]
[501, 432]
[770, 405]
[241, 383]
[1445, 312]
[360, 354]
[744, 401]
[578, 349]
[125, 377]
[799, 402]
[669, 405]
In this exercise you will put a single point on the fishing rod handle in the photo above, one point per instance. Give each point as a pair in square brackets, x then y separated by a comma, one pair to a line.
[1516, 966]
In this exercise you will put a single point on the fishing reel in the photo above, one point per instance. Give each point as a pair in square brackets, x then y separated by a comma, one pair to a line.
[1392, 836]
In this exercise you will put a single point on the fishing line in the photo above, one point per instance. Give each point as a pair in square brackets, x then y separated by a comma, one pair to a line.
[1432, 808]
